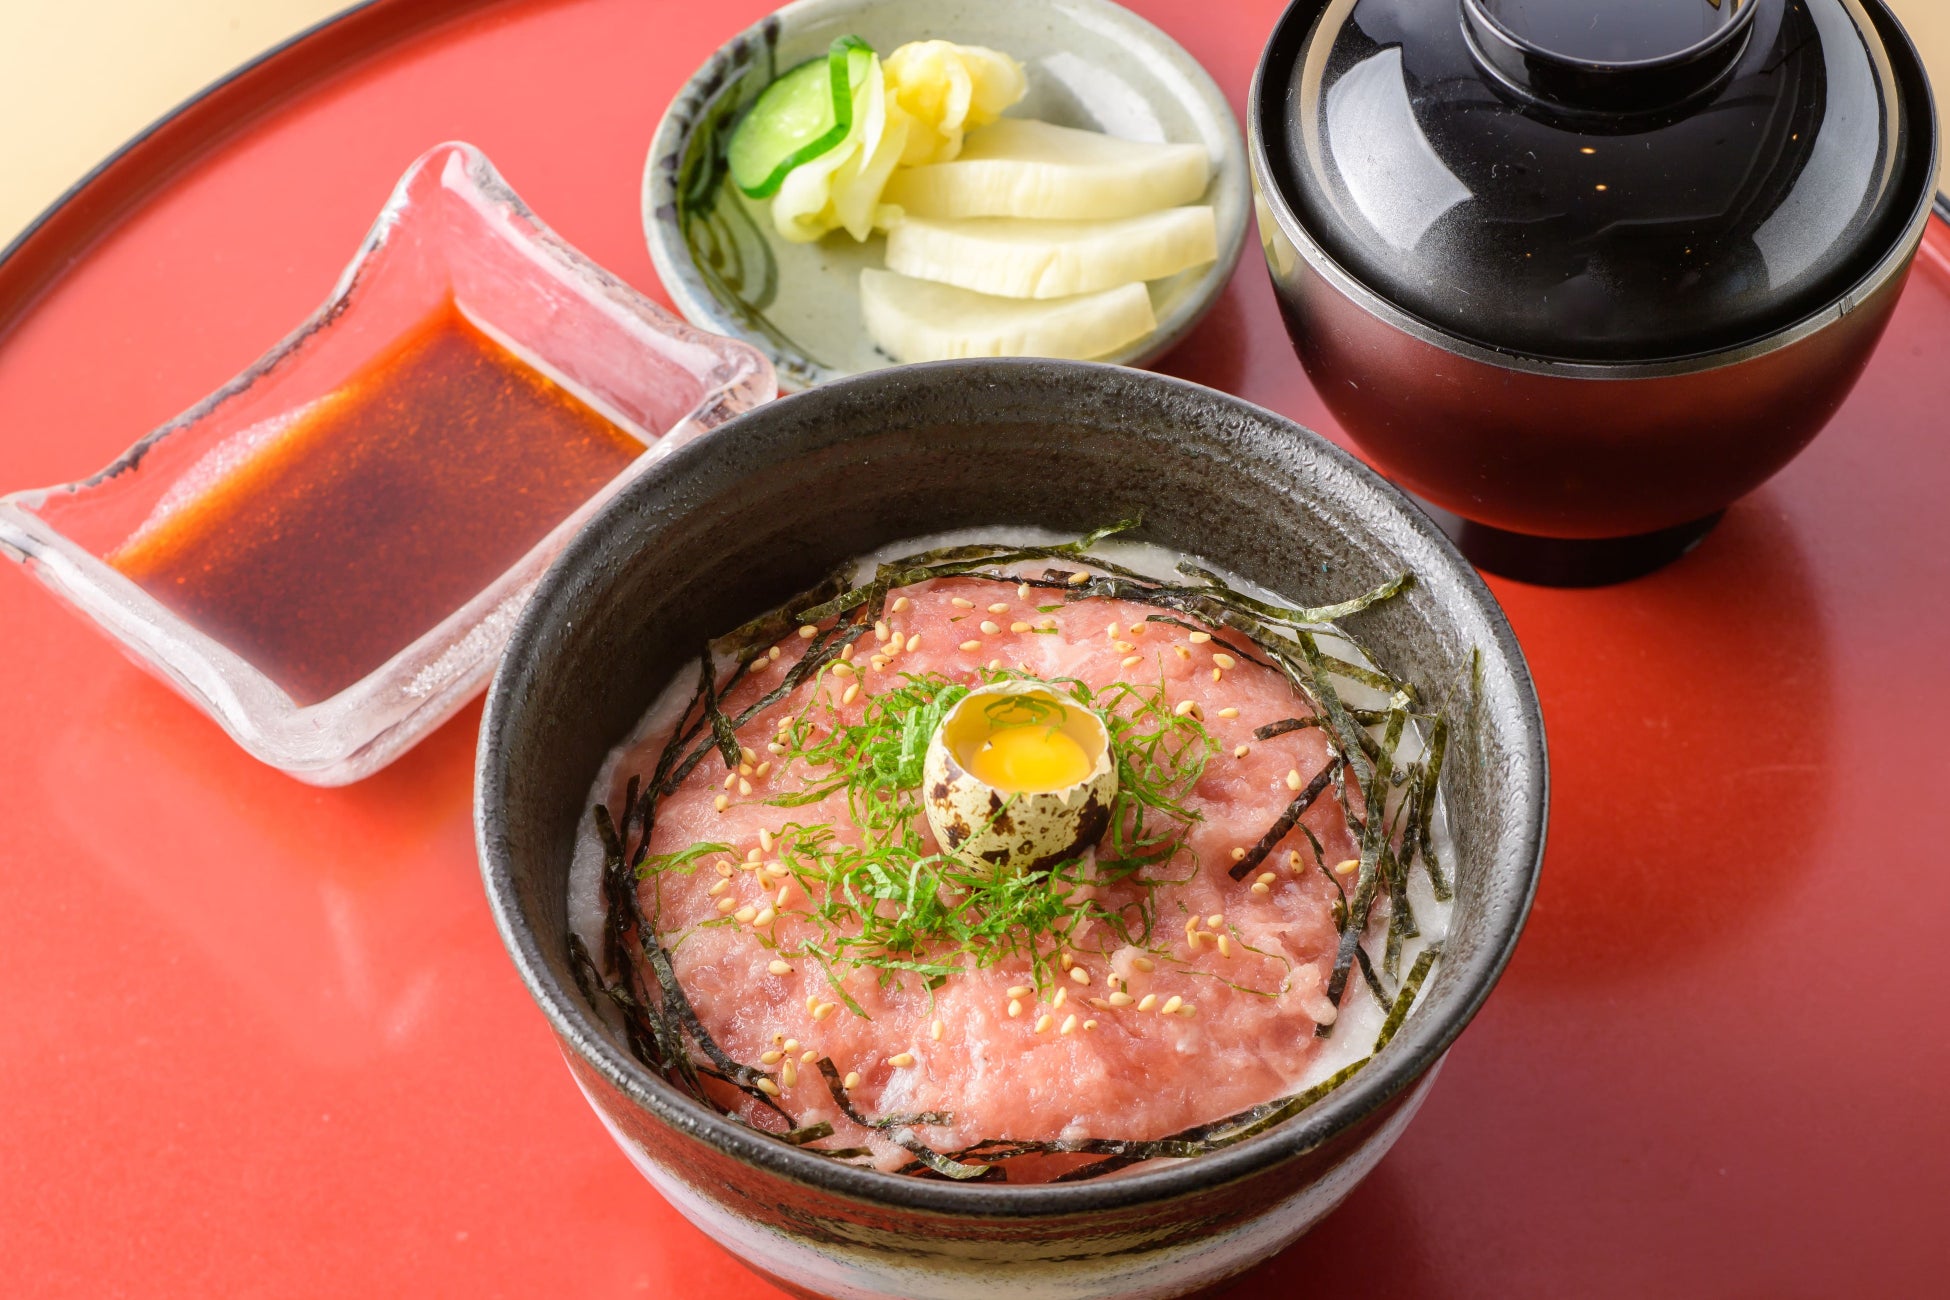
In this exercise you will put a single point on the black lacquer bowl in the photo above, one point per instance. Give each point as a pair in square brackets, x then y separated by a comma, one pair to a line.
[1584, 272]
[742, 520]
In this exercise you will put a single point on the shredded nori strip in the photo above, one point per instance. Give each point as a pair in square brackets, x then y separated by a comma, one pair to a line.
[656, 1027]
[1281, 828]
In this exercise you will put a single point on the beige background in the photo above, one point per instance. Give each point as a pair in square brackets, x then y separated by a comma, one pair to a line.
[77, 77]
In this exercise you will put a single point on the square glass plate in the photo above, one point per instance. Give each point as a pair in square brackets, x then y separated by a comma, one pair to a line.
[452, 236]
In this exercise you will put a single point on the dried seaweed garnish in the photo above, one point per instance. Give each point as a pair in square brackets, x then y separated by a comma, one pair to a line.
[658, 1020]
[1219, 641]
[1405, 1000]
[1281, 828]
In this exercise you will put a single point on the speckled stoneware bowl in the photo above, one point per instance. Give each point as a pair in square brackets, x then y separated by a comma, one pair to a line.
[737, 523]
[1091, 64]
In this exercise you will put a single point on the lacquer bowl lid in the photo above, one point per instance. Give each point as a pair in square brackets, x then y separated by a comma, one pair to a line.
[1591, 180]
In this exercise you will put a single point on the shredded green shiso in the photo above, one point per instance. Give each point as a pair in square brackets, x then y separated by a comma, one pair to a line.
[891, 906]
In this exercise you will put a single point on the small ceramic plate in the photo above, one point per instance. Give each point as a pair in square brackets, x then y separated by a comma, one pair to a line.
[1091, 64]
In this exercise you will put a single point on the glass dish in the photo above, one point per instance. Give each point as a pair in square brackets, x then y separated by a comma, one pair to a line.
[452, 234]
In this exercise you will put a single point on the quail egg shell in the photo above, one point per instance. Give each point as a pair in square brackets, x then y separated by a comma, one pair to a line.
[1021, 775]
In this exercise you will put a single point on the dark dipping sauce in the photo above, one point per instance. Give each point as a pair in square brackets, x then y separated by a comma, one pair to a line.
[379, 513]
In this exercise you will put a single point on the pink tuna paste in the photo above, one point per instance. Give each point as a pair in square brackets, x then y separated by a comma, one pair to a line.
[1071, 1062]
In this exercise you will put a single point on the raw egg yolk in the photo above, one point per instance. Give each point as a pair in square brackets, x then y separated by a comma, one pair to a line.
[1029, 760]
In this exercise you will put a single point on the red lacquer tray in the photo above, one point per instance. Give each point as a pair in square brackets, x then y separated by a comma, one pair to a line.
[260, 1039]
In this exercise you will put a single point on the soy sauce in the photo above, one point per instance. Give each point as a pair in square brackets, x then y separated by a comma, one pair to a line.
[380, 510]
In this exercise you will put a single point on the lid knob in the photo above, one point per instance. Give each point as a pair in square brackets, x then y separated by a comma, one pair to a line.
[1608, 56]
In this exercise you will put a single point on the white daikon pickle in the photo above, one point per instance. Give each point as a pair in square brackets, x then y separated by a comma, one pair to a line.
[919, 320]
[1018, 258]
[1018, 167]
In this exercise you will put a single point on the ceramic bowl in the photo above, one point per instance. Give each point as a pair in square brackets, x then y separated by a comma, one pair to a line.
[1091, 64]
[734, 525]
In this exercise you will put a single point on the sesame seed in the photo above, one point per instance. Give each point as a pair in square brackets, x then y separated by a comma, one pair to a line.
[745, 913]
[880, 629]
[936, 1029]
[1121, 999]
[1217, 675]
[1267, 877]
[1015, 1008]
[1181, 652]
[1131, 661]
[1018, 626]
[790, 1074]
[1199, 638]
[721, 803]
[771, 1058]
[1137, 629]
[763, 768]
[844, 670]
[846, 653]
[1185, 707]
[1079, 974]
[1098, 1003]
[1148, 1001]
[1293, 859]
[1144, 963]
[901, 1060]
[994, 664]
[1043, 1023]
[726, 904]
[730, 779]
[764, 840]
[1019, 990]
[1069, 1025]
[753, 855]
[779, 968]
[1062, 996]
[1259, 888]
[765, 917]
[812, 1004]
[1124, 646]
[959, 603]
[1022, 591]
[745, 768]
[850, 694]
[999, 607]
[989, 627]
[807, 631]
[1078, 578]
[971, 645]
[1238, 855]
[823, 1010]
[1225, 946]
[779, 901]
[1228, 713]
[852, 1079]
[901, 604]
[745, 752]
[774, 747]
[1172, 1004]
[1089, 1024]
[1193, 939]
[1225, 661]
[808, 1056]
[718, 888]
[1241, 751]
[1112, 630]
[1216, 920]
[1188, 1011]
[744, 786]
[1348, 867]
[767, 1087]
[914, 641]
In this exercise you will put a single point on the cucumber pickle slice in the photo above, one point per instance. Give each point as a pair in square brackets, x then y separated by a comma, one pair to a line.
[800, 116]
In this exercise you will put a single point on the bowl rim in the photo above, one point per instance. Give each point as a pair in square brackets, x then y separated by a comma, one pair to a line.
[1285, 44]
[1232, 176]
[1416, 1048]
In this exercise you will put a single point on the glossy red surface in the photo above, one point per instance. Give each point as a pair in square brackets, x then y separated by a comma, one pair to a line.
[260, 1039]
